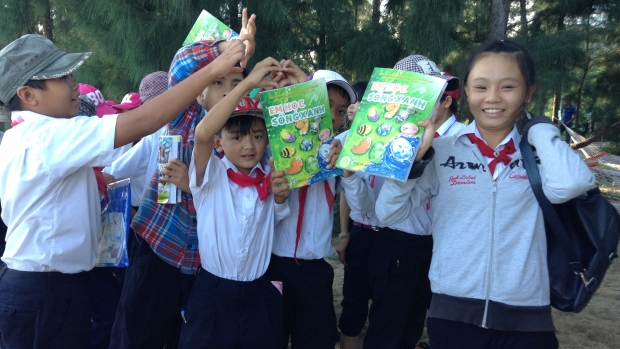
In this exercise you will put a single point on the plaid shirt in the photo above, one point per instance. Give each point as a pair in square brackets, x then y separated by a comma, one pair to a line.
[170, 230]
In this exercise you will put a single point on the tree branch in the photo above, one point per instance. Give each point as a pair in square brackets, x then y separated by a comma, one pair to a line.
[596, 136]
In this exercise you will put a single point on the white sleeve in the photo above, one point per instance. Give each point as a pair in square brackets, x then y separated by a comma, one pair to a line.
[563, 174]
[398, 200]
[357, 194]
[133, 163]
[78, 142]
[281, 211]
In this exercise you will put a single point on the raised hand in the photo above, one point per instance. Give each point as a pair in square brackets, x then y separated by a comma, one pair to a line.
[226, 62]
[247, 35]
[279, 184]
[261, 75]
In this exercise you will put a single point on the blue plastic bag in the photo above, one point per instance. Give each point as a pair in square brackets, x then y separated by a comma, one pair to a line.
[114, 231]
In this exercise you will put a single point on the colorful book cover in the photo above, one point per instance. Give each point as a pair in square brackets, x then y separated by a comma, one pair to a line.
[207, 27]
[299, 126]
[384, 136]
[169, 148]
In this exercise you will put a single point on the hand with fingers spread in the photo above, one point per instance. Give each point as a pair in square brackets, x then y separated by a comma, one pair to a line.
[334, 152]
[247, 35]
[279, 184]
[177, 173]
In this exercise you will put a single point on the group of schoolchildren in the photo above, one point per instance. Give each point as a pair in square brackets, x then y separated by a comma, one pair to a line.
[239, 261]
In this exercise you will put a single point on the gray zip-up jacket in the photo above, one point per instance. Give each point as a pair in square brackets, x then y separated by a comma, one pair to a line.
[489, 264]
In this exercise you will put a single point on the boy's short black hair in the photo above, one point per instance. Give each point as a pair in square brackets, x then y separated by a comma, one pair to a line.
[454, 107]
[14, 102]
[341, 91]
[241, 124]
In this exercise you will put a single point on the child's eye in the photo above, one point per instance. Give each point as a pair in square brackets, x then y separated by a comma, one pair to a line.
[480, 87]
[507, 87]
[258, 136]
[236, 138]
[342, 111]
[217, 83]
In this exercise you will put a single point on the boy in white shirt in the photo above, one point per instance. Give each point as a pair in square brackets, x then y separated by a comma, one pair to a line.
[303, 240]
[232, 303]
[49, 190]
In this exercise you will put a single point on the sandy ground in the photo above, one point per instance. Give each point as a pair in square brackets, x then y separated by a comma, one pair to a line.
[596, 327]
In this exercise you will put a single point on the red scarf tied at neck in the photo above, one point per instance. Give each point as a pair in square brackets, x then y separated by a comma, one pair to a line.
[260, 182]
[501, 156]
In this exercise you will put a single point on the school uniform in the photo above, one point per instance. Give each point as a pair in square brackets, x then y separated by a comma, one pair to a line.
[494, 277]
[232, 304]
[449, 128]
[50, 202]
[398, 262]
[302, 241]
[165, 256]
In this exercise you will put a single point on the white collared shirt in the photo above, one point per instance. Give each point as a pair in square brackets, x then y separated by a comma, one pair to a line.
[138, 164]
[235, 228]
[450, 127]
[315, 240]
[362, 190]
[48, 189]
[514, 135]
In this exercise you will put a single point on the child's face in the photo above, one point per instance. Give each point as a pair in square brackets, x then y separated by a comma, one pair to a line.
[352, 110]
[496, 92]
[245, 151]
[59, 99]
[218, 90]
[338, 106]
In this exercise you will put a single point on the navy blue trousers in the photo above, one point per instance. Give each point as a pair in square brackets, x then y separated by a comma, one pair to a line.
[401, 291]
[447, 334]
[44, 309]
[309, 315]
[356, 289]
[227, 314]
[149, 311]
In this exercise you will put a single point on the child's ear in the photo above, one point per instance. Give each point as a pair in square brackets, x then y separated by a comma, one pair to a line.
[447, 102]
[217, 144]
[27, 96]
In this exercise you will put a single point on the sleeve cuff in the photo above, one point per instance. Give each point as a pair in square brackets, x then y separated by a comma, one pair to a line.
[417, 169]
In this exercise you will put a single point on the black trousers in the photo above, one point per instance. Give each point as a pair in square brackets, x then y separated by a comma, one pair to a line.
[401, 292]
[227, 314]
[447, 334]
[309, 315]
[44, 309]
[356, 291]
[149, 311]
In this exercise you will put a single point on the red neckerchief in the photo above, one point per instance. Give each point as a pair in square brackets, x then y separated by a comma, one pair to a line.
[303, 191]
[260, 182]
[97, 170]
[502, 156]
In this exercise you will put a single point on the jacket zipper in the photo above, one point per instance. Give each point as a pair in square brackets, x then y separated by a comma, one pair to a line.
[489, 268]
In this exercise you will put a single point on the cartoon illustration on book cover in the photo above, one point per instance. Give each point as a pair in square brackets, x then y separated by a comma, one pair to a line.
[384, 136]
[207, 27]
[168, 149]
[300, 131]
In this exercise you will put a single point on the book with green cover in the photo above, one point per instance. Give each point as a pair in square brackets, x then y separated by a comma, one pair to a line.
[207, 27]
[384, 136]
[299, 126]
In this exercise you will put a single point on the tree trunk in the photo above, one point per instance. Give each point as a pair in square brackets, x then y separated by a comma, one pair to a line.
[523, 4]
[557, 97]
[48, 23]
[498, 20]
[376, 10]
[233, 14]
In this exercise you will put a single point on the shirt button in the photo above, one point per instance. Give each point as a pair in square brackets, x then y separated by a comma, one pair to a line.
[189, 246]
[194, 220]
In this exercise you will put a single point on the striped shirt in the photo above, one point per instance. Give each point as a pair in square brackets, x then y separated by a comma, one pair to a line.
[170, 230]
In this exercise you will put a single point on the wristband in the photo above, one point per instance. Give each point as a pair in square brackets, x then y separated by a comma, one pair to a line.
[342, 235]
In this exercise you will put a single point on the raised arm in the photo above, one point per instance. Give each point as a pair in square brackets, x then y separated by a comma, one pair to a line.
[151, 116]
[213, 122]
